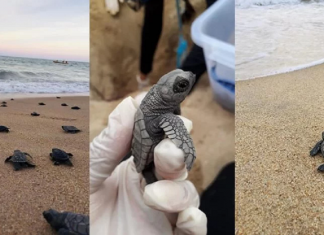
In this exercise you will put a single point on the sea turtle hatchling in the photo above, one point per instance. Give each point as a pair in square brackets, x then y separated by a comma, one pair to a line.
[75, 107]
[4, 105]
[157, 117]
[35, 114]
[319, 148]
[64, 104]
[70, 129]
[4, 129]
[20, 159]
[41, 103]
[59, 156]
[66, 223]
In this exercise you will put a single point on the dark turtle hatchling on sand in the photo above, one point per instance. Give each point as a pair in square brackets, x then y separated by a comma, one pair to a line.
[35, 114]
[4, 102]
[66, 223]
[64, 104]
[20, 159]
[75, 107]
[70, 129]
[3, 105]
[59, 156]
[319, 148]
[41, 103]
[157, 117]
[4, 129]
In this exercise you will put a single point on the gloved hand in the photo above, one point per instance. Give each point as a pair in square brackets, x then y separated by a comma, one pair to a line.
[120, 201]
[112, 6]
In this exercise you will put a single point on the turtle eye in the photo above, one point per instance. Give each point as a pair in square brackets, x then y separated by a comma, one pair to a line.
[181, 86]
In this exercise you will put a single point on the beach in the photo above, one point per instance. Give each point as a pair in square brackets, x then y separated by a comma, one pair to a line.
[213, 131]
[279, 119]
[25, 194]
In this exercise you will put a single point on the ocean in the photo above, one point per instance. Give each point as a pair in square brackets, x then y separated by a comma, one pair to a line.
[26, 75]
[277, 36]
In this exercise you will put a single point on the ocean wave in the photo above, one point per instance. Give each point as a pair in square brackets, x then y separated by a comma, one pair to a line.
[14, 75]
[286, 70]
[249, 3]
[43, 87]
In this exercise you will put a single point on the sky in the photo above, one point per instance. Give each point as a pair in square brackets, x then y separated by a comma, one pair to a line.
[46, 29]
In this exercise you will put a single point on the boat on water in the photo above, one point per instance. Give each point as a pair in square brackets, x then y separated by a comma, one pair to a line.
[60, 62]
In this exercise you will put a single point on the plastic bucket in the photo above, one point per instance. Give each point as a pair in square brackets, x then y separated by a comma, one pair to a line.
[214, 31]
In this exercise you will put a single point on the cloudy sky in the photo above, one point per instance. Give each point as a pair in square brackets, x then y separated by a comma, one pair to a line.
[50, 29]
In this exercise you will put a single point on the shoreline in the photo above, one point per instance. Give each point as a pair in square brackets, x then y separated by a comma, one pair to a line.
[289, 70]
[7, 96]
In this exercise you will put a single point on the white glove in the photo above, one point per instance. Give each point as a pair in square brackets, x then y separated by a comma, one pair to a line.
[112, 6]
[121, 203]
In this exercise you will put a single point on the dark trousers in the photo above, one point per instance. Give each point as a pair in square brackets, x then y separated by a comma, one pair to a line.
[218, 203]
[151, 32]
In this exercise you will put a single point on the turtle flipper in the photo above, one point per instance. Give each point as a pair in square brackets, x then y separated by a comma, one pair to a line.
[68, 162]
[29, 164]
[148, 174]
[316, 149]
[175, 129]
[321, 168]
[70, 154]
[28, 155]
[56, 163]
[8, 159]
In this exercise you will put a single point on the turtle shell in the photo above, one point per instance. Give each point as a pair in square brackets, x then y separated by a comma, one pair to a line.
[142, 143]
[4, 128]
[59, 155]
[18, 156]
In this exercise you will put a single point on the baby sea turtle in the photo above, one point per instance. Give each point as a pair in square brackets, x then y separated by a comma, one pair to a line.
[20, 159]
[12, 99]
[41, 103]
[57, 97]
[319, 148]
[75, 107]
[58, 156]
[3, 105]
[70, 129]
[4, 129]
[157, 117]
[67, 222]
[35, 114]
[4, 102]
[64, 104]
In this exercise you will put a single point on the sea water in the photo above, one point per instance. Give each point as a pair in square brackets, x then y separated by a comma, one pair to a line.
[277, 36]
[26, 75]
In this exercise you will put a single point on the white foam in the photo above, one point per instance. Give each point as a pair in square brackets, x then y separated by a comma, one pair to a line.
[287, 70]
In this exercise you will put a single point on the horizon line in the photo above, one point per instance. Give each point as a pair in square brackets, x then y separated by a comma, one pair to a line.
[43, 58]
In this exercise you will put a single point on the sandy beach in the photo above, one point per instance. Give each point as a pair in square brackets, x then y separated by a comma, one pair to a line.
[25, 194]
[278, 121]
[213, 131]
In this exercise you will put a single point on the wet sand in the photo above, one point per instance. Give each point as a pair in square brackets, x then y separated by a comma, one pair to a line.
[278, 121]
[213, 131]
[25, 194]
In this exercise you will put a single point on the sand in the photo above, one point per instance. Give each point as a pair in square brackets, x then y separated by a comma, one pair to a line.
[213, 131]
[278, 120]
[25, 194]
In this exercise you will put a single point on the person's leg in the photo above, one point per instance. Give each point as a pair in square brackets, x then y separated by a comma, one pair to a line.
[195, 61]
[218, 203]
[151, 32]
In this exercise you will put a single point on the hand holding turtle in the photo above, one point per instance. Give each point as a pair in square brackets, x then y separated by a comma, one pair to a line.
[120, 203]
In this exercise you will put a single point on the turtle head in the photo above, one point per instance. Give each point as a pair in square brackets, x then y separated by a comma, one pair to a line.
[175, 86]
